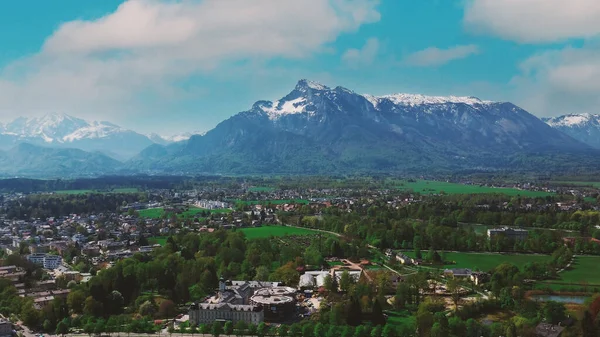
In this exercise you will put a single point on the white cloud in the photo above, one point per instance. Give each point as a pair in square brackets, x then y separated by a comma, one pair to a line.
[363, 56]
[560, 81]
[434, 56]
[108, 65]
[534, 21]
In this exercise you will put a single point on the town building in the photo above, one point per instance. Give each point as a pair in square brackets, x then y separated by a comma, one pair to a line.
[236, 301]
[46, 260]
[6, 328]
[510, 233]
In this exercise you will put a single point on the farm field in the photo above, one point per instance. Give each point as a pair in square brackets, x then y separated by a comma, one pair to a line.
[487, 261]
[268, 231]
[156, 213]
[583, 272]
[435, 187]
[116, 190]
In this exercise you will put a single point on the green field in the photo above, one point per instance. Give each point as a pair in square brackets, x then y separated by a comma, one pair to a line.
[116, 190]
[487, 261]
[161, 240]
[157, 213]
[583, 272]
[436, 187]
[268, 231]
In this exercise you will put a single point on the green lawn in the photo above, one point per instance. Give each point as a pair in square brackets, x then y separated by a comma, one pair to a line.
[436, 187]
[487, 261]
[156, 213]
[268, 231]
[116, 190]
[401, 318]
[584, 271]
[161, 240]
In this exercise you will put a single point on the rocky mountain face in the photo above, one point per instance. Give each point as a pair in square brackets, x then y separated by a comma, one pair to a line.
[583, 127]
[317, 129]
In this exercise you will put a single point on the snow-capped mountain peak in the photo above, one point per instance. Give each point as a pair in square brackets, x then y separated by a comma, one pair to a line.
[417, 99]
[573, 120]
[583, 127]
[304, 85]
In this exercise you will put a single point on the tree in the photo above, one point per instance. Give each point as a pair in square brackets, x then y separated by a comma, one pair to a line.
[262, 273]
[354, 317]
[295, 330]
[346, 281]
[29, 315]
[319, 330]
[47, 325]
[76, 301]
[454, 289]
[388, 331]
[376, 331]
[511, 330]
[240, 327]
[62, 328]
[307, 330]
[587, 325]
[328, 283]
[88, 328]
[147, 309]
[166, 309]
[228, 328]
[554, 312]
[216, 329]
[261, 329]
[283, 330]
[377, 315]
[92, 307]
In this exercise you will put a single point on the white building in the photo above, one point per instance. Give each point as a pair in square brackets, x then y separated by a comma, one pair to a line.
[204, 313]
[46, 260]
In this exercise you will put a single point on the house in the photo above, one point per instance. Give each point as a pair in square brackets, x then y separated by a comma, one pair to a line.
[458, 273]
[404, 259]
[548, 330]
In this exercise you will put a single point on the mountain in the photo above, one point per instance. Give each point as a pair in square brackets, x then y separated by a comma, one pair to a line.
[318, 129]
[64, 131]
[38, 161]
[164, 140]
[583, 127]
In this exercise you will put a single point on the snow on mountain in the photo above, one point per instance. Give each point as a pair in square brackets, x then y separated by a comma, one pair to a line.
[416, 99]
[50, 128]
[583, 127]
[572, 120]
[163, 140]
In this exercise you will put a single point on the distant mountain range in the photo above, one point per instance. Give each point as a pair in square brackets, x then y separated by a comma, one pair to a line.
[64, 131]
[316, 129]
[583, 127]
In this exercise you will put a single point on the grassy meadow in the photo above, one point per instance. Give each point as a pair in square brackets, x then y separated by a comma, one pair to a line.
[268, 231]
[157, 213]
[487, 261]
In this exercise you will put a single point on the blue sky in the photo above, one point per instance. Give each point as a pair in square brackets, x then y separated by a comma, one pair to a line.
[176, 66]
